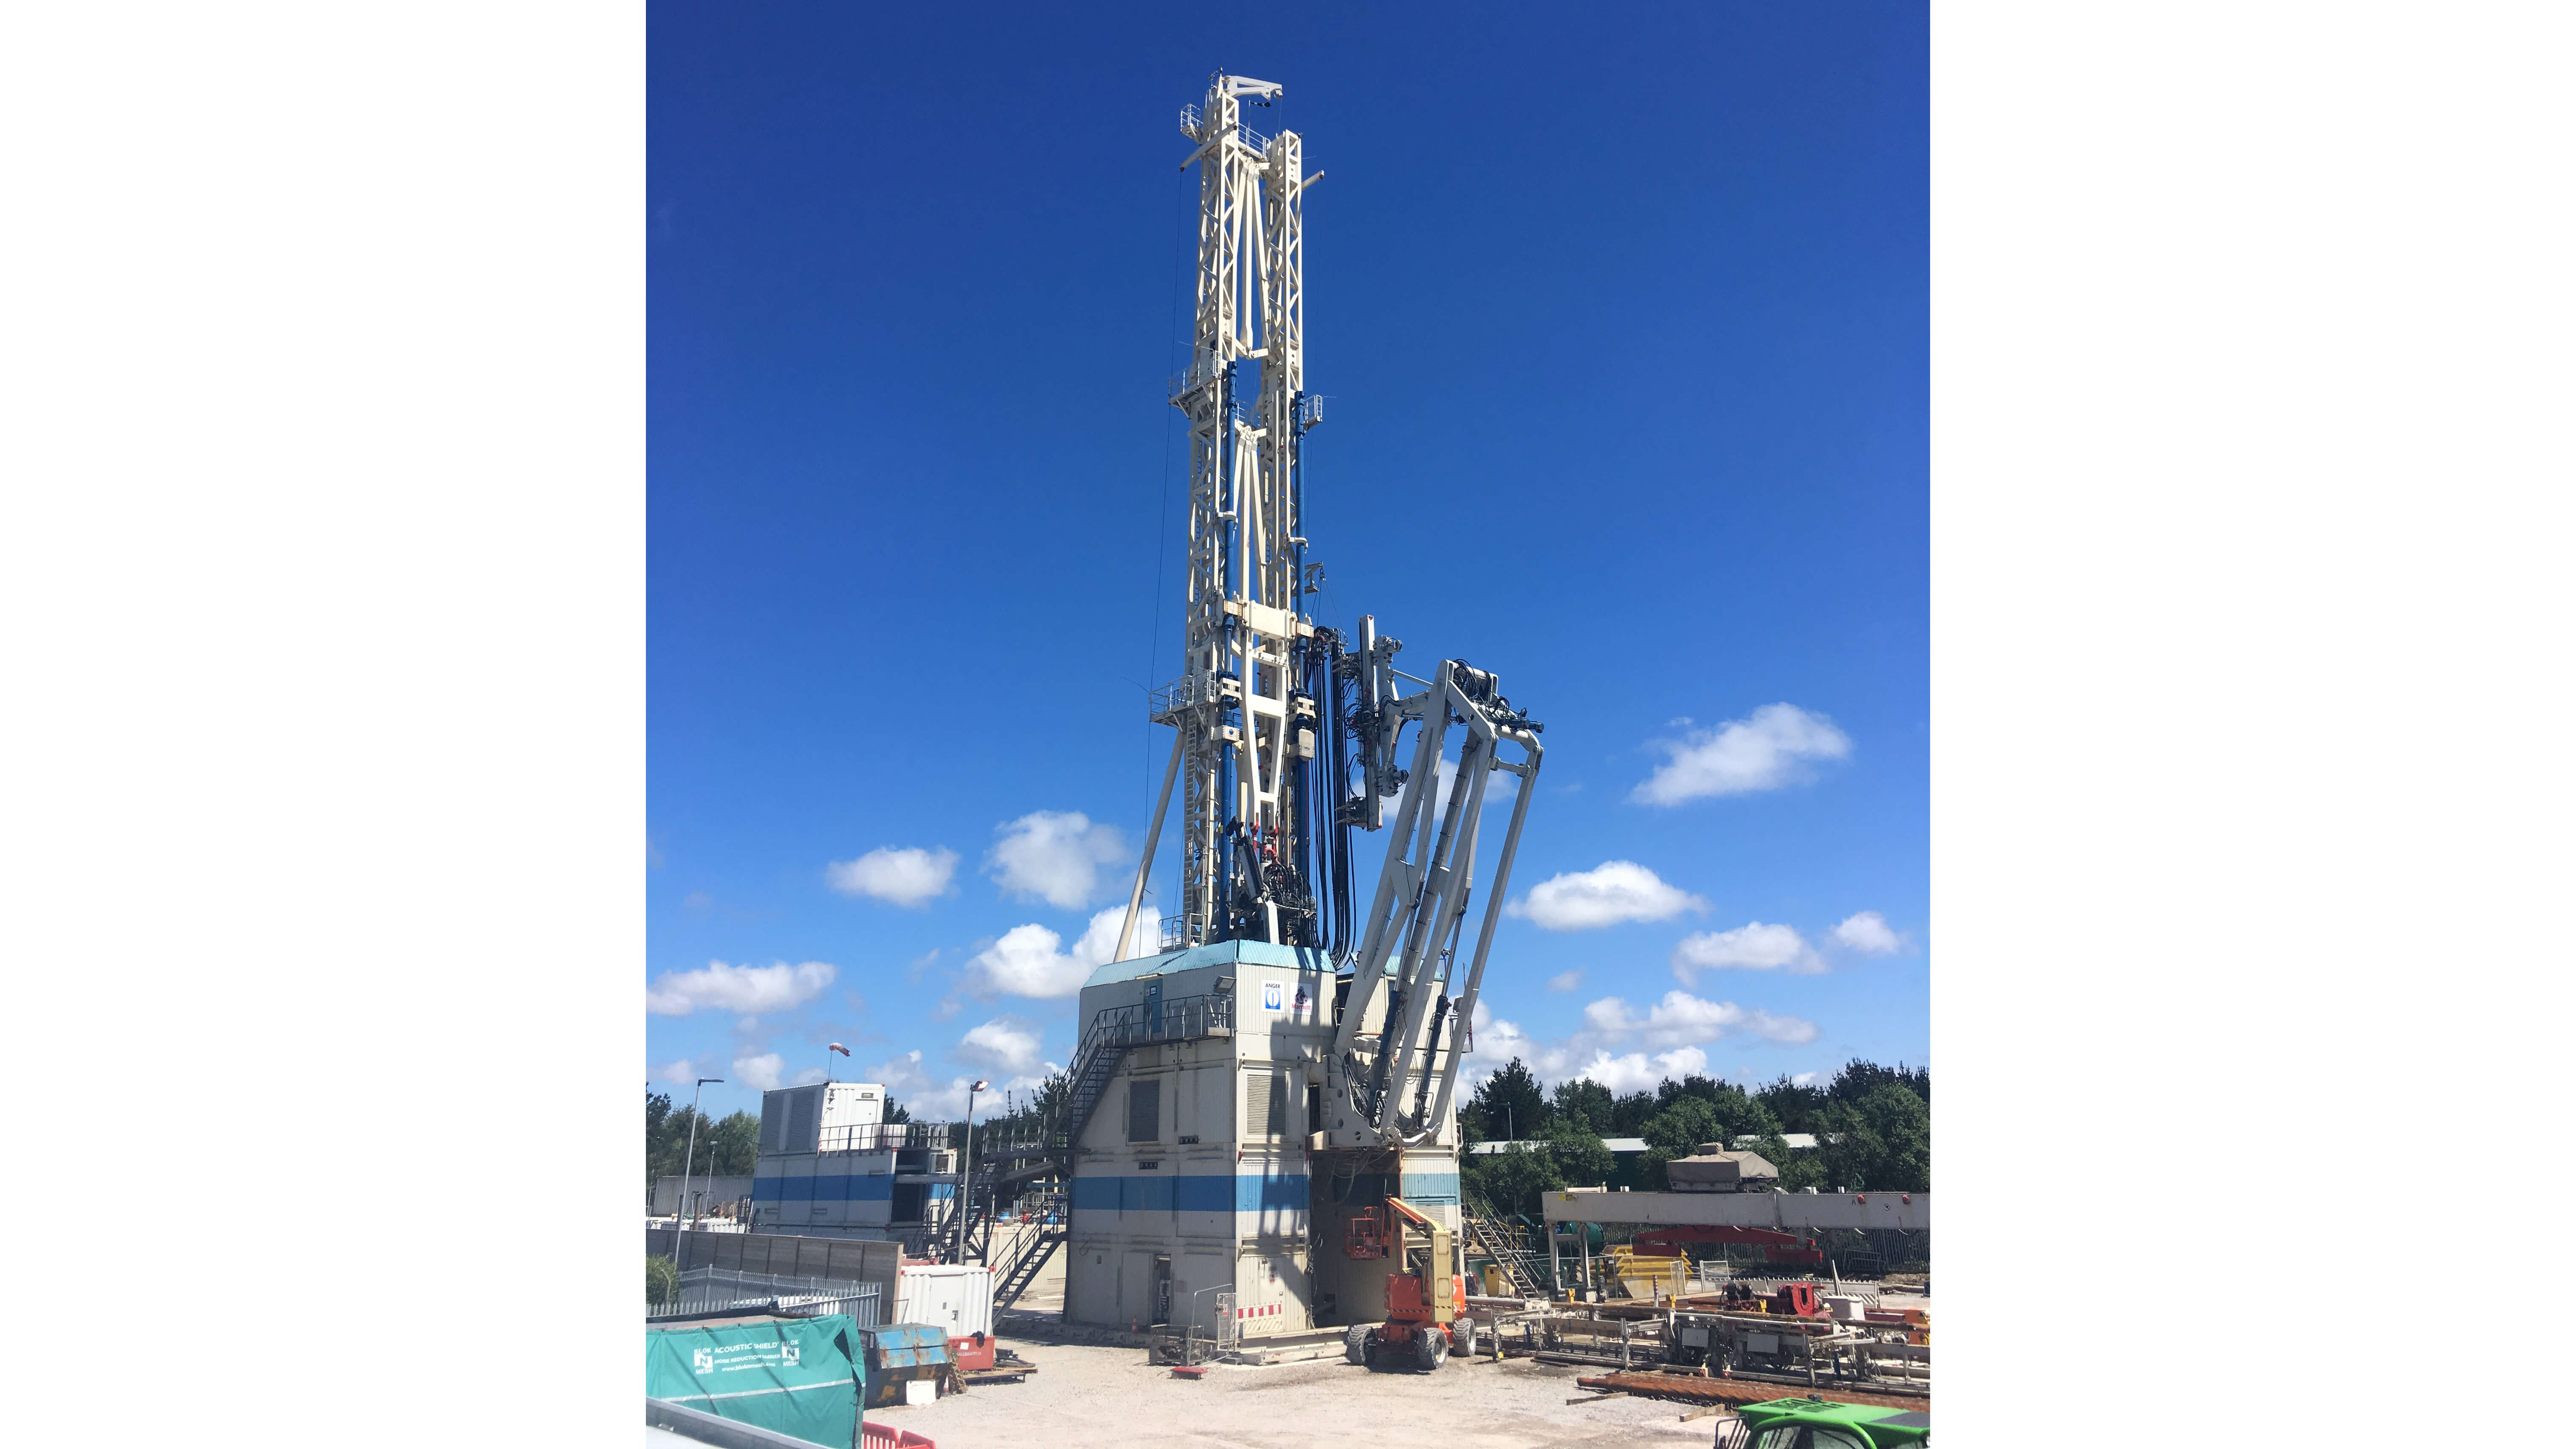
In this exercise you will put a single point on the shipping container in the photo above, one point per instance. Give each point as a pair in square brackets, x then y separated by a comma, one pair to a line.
[958, 1298]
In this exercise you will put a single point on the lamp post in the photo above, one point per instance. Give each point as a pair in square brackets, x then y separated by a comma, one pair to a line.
[691, 1160]
[966, 1180]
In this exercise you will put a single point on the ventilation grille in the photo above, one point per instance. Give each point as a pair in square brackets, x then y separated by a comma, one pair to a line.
[1265, 1105]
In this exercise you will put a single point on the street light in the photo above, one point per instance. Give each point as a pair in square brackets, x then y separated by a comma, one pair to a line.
[966, 1183]
[691, 1160]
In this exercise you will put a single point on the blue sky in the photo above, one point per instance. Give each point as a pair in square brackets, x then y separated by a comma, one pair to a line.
[1622, 332]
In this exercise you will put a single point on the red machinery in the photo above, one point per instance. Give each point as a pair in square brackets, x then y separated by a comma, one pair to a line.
[1423, 1295]
[1785, 1251]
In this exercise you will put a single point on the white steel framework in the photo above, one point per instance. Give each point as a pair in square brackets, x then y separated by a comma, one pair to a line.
[1244, 708]
[1275, 758]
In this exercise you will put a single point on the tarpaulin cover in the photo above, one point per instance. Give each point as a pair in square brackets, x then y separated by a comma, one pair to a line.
[798, 1377]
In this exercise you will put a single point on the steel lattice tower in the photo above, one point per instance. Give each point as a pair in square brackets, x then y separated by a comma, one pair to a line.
[1244, 705]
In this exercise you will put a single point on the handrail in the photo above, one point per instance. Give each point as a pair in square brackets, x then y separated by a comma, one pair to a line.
[1141, 1023]
[1116, 1029]
[878, 1136]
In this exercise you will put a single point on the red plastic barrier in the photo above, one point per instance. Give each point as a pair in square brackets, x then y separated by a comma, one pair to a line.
[886, 1436]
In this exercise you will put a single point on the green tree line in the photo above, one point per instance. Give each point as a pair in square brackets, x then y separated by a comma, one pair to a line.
[727, 1146]
[1873, 1124]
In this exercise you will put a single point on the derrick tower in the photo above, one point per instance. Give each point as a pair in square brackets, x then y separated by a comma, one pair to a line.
[1254, 1078]
[1253, 799]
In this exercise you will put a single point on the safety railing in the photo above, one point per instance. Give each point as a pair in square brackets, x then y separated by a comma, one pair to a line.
[701, 1291]
[882, 1136]
[1194, 125]
[1181, 384]
[1187, 692]
[1141, 1023]
[1115, 1029]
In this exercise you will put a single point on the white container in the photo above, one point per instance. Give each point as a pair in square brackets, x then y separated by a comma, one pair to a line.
[956, 1297]
[1846, 1308]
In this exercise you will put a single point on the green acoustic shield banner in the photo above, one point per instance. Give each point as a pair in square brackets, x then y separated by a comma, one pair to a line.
[800, 1377]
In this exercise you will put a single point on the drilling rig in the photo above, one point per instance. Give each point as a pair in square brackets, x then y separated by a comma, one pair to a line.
[1288, 736]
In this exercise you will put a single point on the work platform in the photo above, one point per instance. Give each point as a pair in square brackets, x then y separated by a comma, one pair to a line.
[1788, 1212]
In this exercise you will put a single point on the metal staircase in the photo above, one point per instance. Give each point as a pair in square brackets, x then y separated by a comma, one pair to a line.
[1094, 1063]
[1028, 1257]
[1115, 1029]
[1495, 1238]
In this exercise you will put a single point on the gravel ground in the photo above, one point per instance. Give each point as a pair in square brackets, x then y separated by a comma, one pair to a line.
[1083, 1397]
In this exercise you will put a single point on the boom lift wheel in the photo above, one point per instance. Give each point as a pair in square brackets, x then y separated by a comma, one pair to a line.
[1355, 1342]
[1430, 1348]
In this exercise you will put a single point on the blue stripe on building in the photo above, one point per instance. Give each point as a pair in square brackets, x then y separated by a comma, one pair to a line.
[1218, 1192]
[847, 1187]
[1422, 1189]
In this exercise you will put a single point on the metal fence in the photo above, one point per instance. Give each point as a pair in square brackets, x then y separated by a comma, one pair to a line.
[727, 1290]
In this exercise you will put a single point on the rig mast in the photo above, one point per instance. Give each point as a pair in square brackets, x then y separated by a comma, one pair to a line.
[1283, 741]
[1253, 666]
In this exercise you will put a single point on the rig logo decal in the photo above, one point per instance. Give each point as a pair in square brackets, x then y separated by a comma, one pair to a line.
[1273, 996]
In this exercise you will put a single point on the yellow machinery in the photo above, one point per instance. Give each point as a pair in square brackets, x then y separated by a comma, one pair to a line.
[1423, 1295]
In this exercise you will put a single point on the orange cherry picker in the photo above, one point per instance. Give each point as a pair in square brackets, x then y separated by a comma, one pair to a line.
[1423, 1294]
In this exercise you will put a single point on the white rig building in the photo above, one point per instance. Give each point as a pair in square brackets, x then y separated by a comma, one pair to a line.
[1291, 1055]
[830, 1166]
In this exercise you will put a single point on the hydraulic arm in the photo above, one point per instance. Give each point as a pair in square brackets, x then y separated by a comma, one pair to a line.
[1398, 1068]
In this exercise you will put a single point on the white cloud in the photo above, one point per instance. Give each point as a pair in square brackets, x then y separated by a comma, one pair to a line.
[1030, 961]
[910, 876]
[746, 989]
[759, 1073]
[1626, 1051]
[1054, 856]
[932, 1100]
[1763, 751]
[1786, 1030]
[1566, 980]
[1752, 946]
[1099, 943]
[810, 1075]
[1637, 1072]
[681, 1073]
[1609, 893]
[1005, 1045]
[1026, 962]
[1868, 933]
